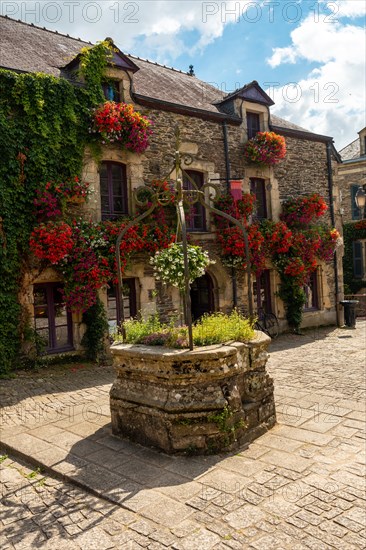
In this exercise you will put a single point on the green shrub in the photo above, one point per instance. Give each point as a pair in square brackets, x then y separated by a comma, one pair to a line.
[216, 328]
[96, 332]
[137, 330]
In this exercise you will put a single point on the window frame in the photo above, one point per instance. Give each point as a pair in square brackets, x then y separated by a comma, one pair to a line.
[132, 299]
[315, 292]
[112, 214]
[253, 129]
[111, 85]
[263, 196]
[50, 304]
[199, 211]
[359, 271]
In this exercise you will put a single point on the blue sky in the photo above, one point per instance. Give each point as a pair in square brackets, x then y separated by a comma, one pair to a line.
[311, 51]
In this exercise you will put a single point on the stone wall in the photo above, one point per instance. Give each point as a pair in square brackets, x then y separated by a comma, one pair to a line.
[304, 169]
[349, 174]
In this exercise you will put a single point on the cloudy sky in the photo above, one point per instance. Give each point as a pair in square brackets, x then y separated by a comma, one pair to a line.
[308, 54]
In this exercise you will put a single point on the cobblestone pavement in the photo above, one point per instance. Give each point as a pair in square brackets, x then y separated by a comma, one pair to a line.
[300, 486]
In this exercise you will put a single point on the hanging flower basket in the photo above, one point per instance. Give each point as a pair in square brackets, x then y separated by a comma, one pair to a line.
[303, 210]
[169, 264]
[120, 123]
[266, 148]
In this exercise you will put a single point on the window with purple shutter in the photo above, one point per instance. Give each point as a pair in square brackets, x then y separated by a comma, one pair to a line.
[258, 189]
[311, 293]
[113, 190]
[196, 215]
[253, 124]
[53, 321]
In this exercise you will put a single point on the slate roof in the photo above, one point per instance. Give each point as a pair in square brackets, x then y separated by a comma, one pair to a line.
[351, 151]
[27, 48]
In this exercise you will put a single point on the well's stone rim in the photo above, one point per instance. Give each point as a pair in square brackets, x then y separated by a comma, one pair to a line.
[167, 354]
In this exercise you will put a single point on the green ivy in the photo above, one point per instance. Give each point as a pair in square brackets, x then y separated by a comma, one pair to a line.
[352, 232]
[294, 298]
[93, 65]
[43, 133]
[96, 322]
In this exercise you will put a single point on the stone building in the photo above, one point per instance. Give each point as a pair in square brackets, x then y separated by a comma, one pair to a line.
[352, 176]
[213, 128]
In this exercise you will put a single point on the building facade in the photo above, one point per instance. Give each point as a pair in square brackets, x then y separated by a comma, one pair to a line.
[351, 177]
[213, 130]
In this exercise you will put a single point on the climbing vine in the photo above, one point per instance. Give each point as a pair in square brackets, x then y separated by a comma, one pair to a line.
[43, 132]
[353, 231]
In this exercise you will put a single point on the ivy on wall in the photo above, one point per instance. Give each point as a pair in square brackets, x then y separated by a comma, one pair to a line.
[353, 231]
[43, 132]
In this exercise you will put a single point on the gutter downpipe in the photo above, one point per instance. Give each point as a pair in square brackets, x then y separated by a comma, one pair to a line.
[227, 165]
[332, 217]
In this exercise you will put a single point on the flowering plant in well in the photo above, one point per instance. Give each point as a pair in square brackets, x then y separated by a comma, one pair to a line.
[120, 123]
[169, 264]
[265, 148]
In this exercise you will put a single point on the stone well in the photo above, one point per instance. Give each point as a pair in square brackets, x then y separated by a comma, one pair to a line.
[208, 400]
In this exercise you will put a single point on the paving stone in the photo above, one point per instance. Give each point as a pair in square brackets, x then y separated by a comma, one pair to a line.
[201, 540]
[328, 538]
[163, 537]
[356, 514]
[348, 523]
[304, 436]
[94, 539]
[166, 512]
[244, 517]
[292, 462]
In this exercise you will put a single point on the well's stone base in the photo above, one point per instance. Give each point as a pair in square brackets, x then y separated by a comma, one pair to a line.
[207, 400]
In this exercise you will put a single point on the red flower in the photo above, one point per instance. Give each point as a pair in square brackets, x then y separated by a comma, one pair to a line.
[120, 123]
[265, 148]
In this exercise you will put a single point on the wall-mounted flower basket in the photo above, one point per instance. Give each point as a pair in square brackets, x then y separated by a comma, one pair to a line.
[265, 149]
[119, 123]
[51, 241]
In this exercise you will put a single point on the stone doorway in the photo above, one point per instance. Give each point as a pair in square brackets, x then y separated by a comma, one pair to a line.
[202, 296]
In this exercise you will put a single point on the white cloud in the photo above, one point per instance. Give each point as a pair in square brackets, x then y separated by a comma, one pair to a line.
[330, 99]
[134, 23]
[348, 8]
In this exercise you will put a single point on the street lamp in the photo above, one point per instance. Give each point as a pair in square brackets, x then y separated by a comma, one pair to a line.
[360, 199]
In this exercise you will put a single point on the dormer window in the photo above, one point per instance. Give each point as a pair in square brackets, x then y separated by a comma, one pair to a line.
[253, 124]
[111, 91]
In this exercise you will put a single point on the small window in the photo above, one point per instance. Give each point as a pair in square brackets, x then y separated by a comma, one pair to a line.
[111, 91]
[311, 293]
[53, 322]
[359, 259]
[114, 301]
[196, 216]
[258, 189]
[113, 190]
[253, 124]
